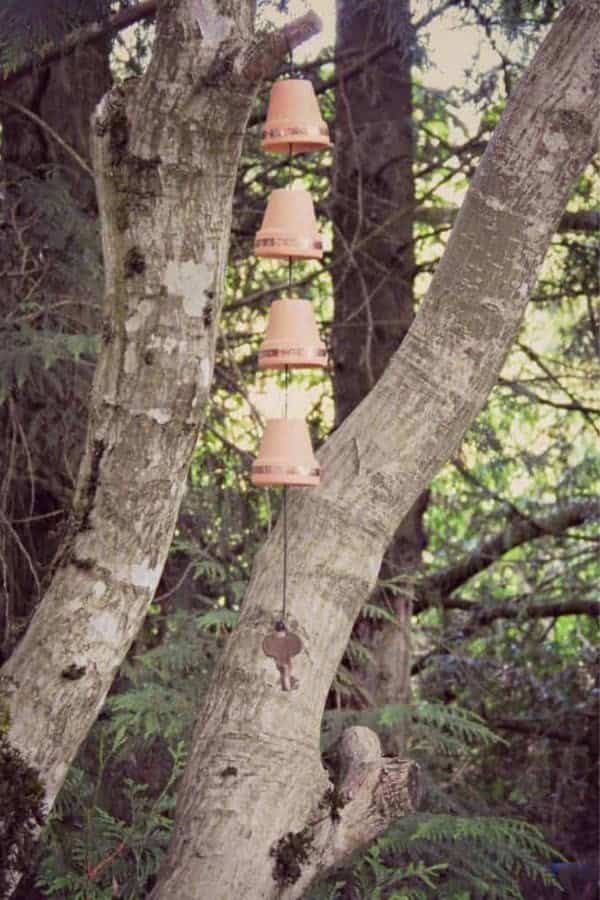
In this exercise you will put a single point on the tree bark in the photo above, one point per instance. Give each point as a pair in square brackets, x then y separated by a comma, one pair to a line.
[166, 150]
[372, 274]
[254, 772]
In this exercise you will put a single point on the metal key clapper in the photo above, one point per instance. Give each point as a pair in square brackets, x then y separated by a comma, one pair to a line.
[281, 645]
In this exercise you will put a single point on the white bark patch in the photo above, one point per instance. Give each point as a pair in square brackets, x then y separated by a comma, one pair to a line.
[555, 142]
[213, 26]
[188, 280]
[105, 627]
[138, 318]
[166, 344]
[99, 590]
[490, 201]
[140, 575]
[130, 362]
[205, 372]
[161, 416]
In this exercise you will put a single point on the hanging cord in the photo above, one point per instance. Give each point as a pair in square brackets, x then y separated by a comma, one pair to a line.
[285, 549]
[280, 625]
[286, 377]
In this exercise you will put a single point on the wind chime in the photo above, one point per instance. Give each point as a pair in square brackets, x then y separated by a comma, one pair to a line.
[289, 231]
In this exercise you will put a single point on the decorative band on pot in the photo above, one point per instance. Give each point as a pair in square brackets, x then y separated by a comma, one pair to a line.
[293, 133]
[303, 471]
[285, 243]
[293, 358]
[286, 456]
[289, 227]
[292, 337]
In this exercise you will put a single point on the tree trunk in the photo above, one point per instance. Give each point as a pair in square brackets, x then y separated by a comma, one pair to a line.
[166, 150]
[254, 775]
[373, 270]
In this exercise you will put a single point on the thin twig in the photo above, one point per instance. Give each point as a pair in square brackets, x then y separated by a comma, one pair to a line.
[53, 134]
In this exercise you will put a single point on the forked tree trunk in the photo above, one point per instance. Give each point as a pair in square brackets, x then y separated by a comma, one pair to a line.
[166, 150]
[166, 154]
[254, 774]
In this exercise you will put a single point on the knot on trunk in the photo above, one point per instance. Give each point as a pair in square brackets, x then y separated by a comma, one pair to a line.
[383, 788]
[373, 792]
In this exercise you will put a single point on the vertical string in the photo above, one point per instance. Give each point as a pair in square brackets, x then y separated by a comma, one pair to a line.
[286, 378]
[284, 597]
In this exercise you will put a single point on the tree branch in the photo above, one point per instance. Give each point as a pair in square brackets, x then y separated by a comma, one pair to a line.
[374, 792]
[515, 609]
[539, 728]
[49, 130]
[269, 50]
[483, 615]
[78, 38]
[518, 388]
[519, 531]
[585, 220]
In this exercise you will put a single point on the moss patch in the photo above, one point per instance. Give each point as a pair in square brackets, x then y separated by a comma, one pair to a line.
[134, 262]
[290, 853]
[22, 810]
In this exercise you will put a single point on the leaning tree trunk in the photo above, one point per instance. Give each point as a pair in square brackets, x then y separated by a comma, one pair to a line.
[372, 274]
[249, 820]
[166, 150]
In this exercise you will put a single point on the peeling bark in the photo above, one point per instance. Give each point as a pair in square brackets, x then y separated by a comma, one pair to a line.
[374, 467]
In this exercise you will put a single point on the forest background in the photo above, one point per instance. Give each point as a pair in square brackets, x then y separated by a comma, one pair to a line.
[477, 654]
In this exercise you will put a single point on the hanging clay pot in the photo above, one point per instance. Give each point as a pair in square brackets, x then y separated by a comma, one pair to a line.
[292, 337]
[286, 455]
[294, 119]
[289, 227]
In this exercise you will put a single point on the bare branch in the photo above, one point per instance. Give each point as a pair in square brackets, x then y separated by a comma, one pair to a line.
[540, 728]
[585, 220]
[49, 130]
[519, 531]
[516, 608]
[84, 35]
[267, 53]
[518, 388]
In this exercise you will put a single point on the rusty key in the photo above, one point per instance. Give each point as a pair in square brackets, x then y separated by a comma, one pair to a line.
[282, 645]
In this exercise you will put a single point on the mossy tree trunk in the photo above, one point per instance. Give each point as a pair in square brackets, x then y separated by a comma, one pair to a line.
[165, 151]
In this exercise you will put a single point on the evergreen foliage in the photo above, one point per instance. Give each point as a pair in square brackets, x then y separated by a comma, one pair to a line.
[27, 25]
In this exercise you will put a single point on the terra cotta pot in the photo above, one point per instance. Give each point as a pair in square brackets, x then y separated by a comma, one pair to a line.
[289, 227]
[286, 456]
[292, 337]
[294, 122]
